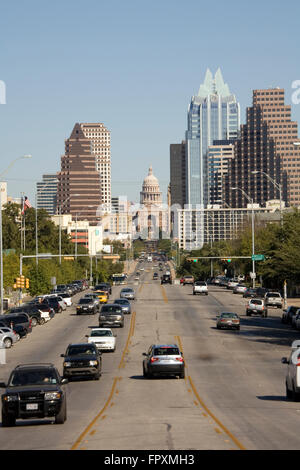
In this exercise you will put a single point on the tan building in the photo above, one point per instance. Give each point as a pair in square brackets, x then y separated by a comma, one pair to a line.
[284, 131]
[99, 136]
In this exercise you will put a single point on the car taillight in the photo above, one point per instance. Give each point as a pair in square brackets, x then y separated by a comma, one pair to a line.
[180, 359]
[154, 359]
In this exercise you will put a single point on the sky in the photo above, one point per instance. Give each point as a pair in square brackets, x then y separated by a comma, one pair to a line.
[133, 66]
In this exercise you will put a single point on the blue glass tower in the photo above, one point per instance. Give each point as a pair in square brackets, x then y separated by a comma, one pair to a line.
[214, 114]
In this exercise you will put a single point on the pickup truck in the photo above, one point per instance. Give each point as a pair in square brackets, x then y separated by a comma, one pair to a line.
[200, 287]
[273, 299]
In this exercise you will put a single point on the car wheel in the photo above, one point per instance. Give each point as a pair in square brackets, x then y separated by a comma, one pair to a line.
[61, 417]
[7, 343]
[42, 321]
[60, 310]
[34, 321]
[8, 420]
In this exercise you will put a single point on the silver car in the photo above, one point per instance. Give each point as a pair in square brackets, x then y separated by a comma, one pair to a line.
[8, 337]
[124, 304]
[257, 307]
[163, 359]
[127, 293]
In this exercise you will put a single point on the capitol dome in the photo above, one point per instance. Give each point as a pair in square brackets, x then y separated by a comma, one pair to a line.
[150, 194]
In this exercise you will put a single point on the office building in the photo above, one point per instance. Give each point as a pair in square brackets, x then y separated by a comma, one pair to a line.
[79, 188]
[99, 136]
[213, 114]
[219, 155]
[178, 174]
[46, 193]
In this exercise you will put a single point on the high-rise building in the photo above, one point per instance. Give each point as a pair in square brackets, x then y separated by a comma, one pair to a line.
[256, 150]
[284, 131]
[99, 136]
[177, 174]
[79, 189]
[213, 114]
[46, 193]
[219, 155]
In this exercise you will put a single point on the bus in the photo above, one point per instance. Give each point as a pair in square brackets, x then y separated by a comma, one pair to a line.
[118, 279]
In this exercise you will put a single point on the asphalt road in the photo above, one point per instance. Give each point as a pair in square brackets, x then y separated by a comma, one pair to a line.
[233, 395]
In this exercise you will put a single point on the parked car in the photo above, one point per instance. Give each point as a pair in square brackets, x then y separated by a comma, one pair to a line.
[67, 298]
[188, 280]
[18, 329]
[239, 289]
[127, 293]
[59, 299]
[274, 299]
[34, 391]
[292, 379]
[163, 359]
[37, 318]
[82, 359]
[124, 304]
[166, 279]
[8, 337]
[103, 338]
[112, 315]
[12, 319]
[228, 320]
[289, 313]
[86, 305]
[257, 307]
[200, 287]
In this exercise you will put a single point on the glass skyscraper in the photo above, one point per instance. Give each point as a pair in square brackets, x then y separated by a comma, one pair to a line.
[214, 114]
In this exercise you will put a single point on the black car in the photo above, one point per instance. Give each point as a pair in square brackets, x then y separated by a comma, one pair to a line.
[34, 391]
[53, 303]
[12, 319]
[111, 315]
[250, 292]
[82, 359]
[86, 305]
[103, 286]
[287, 315]
[33, 312]
[166, 279]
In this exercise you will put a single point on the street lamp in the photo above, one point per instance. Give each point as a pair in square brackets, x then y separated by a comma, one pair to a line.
[253, 247]
[277, 186]
[1, 236]
[60, 207]
[36, 218]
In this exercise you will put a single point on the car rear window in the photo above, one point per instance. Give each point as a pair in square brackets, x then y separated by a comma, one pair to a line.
[169, 351]
[256, 302]
[111, 309]
[101, 333]
[85, 301]
[33, 377]
[273, 294]
[200, 283]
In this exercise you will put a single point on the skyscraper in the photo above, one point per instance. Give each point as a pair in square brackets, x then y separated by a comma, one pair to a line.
[79, 189]
[99, 136]
[46, 193]
[213, 114]
[177, 174]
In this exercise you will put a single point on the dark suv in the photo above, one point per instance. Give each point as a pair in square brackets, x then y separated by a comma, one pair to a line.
[34, 391]
[82, 359]
[166, 279]
[12, 319]
[32, 311]
[86, 305]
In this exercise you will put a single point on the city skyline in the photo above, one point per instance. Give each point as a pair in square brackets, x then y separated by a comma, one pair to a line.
[136, 82]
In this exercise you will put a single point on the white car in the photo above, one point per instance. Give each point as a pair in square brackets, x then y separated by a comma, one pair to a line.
[8, 337]
[45, 316]
[103, 338]
[66, 298]
[232, 283]
[292, 379]
[200, 287]
[239, 289]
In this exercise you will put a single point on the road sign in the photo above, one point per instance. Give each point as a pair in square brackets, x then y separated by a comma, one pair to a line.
[253, 275]
[258, 257]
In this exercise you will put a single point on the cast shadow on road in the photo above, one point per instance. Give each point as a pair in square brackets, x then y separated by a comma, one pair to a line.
[273, 398]
[33, 422]
[141, 377]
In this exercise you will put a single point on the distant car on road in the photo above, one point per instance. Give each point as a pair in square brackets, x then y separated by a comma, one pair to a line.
[127, 293]
[188, 280]
[228, 320]
[250, 292]
[163, 359]
[274, 299]
[166, 279]
[111, 315]
[124, 304]
[292, 379]
[82, 359]
[200, 287]
[289, 313]
[239, 289]
[257, 307]
[86, 305]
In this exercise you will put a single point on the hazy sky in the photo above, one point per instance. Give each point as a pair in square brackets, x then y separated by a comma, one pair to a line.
[134, 66]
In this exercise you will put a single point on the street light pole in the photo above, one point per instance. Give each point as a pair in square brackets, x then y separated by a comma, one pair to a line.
[277, 186]
[1, 235]
[253, 240]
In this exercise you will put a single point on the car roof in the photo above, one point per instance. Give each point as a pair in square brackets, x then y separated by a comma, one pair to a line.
[165, 346]
[36, 365]
[79, 344]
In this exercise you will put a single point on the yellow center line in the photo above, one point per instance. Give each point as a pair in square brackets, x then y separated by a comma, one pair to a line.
[201, 402]
[164, 294]
[88, 429]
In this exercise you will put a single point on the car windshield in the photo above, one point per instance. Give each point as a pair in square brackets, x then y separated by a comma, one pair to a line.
[111, 309]
[85, 301]
[33, 377]
[166, 351]
[101, 333]
[229, 315]
[126, 290]
[122, 302]
[82, 349]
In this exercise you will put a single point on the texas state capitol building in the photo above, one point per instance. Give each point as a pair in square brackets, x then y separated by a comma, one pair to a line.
[151, 217]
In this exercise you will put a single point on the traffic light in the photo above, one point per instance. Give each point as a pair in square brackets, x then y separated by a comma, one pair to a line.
[27, 283]
[195, 260]
[22, 282]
